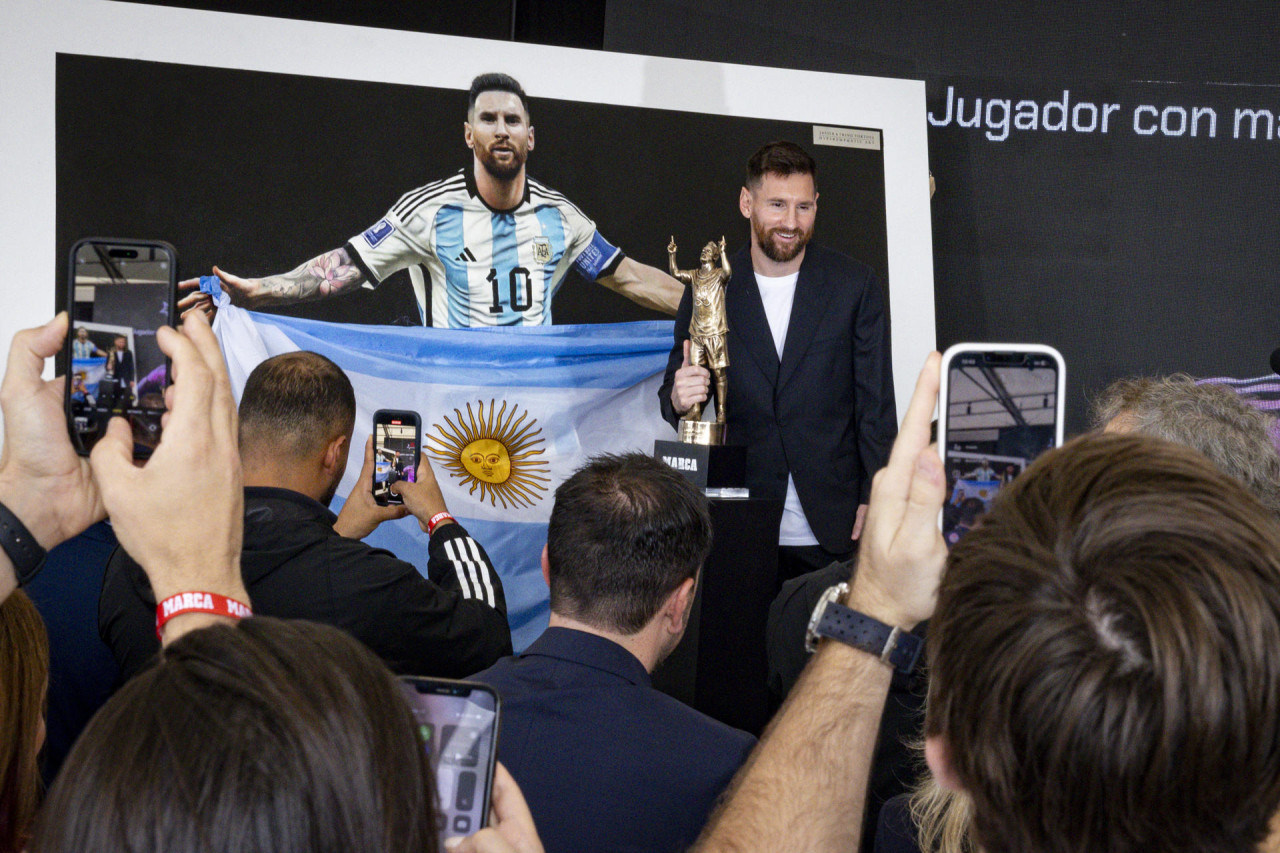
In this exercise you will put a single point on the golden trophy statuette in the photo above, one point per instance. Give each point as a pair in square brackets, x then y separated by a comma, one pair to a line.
[708, 333]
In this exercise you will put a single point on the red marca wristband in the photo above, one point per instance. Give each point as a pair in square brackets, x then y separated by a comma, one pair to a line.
[436, 521]
[199, 602]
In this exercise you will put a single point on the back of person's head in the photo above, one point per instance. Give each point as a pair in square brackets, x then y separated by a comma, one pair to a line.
[1210, 418]
[267, 736]
[779, 158]
[625, 531]
[1104, 673]
[495, 82]
[24, 673]
[293, 405]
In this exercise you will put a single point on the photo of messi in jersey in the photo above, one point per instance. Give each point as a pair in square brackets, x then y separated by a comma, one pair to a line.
[488, 246]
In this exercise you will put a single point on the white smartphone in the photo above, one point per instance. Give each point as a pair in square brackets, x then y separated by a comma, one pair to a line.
[1002, 405]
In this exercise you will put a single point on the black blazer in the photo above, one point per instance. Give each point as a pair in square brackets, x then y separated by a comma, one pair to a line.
[825, 413]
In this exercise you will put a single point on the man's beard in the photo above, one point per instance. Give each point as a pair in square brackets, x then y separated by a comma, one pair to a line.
[775, 252]
[503, 171]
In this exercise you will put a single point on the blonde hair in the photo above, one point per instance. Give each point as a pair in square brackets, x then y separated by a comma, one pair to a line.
[943, 817]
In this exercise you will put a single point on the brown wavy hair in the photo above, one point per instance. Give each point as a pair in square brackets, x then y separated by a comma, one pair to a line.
[272, 735]
[1103, 657]
[24, 675]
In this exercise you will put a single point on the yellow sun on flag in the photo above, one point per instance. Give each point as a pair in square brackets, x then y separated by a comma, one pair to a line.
[495, 452]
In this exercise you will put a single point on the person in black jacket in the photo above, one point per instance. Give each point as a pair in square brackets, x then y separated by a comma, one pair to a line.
[297, 413]
[810, 390]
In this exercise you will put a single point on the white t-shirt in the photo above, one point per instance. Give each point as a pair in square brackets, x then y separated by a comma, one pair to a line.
[778, 294]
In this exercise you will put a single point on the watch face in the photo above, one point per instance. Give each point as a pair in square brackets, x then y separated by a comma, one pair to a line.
[831, 594]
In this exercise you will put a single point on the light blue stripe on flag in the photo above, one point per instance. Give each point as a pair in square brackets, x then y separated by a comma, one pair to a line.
[551, 395]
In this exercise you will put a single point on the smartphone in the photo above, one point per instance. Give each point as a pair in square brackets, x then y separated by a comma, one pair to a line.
[458, 724]
[119, 293]
[397, 435]
[1002, 406]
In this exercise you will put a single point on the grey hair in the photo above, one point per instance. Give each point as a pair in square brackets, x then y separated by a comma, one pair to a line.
[1212, 419]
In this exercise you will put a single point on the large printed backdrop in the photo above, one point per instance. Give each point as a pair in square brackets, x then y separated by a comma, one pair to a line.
[1148, 248]
[258, 172]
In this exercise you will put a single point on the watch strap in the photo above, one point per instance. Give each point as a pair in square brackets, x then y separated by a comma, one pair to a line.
[24, 551]
[898, 648]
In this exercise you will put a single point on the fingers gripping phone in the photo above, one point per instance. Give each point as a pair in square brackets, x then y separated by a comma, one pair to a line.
[119, 293]
[458, 724]
[397, 437]
[1002, 406]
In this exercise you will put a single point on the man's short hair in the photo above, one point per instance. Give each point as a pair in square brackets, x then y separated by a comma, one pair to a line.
[1103, 656]
[625, 531]
[780, 158]
[495, 82]
[1210, 418]
[295, 403]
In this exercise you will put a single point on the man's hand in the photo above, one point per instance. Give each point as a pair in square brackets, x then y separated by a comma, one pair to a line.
[361, 514]
[671, 247]
[422, 497]
[690, 385]
[244, 292]
[902, 553]
[42, 480]
[858, 520]
[511, 828]
[181, 516]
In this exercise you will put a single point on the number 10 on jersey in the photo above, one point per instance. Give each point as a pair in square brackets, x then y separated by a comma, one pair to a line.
[520, 286]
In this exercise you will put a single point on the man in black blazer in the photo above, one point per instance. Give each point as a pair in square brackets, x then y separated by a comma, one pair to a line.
[810, 383]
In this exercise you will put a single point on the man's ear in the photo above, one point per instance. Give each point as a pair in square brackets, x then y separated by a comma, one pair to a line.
[335, 454]
[744, 202]
[679, 605]
[466, 135]
[530, 137]
[546, 567]
[937, 754]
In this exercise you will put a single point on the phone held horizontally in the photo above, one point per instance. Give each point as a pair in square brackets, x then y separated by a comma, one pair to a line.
[119, 293]
[458, 724]
[1002, 406]
[397, 437]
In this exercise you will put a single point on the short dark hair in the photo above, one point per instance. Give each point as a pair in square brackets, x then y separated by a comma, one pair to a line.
[625, 531]
[779, 158]
[495, 82]
[270, 735]
[1103, 655]
[295, 403]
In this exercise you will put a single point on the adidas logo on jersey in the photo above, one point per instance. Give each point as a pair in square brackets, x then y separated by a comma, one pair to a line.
[465, 255]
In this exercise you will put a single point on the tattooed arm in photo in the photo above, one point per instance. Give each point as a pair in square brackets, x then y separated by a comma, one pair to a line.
[329, 274]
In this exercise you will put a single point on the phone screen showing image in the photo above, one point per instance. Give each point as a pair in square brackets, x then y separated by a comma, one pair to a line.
[121, 293]
[1002, 412]
[395, 453]
[458, 725]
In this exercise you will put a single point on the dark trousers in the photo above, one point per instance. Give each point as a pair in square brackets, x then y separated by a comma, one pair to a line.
[796, 560]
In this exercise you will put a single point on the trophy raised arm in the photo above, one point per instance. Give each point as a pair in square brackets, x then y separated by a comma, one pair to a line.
[708, 334]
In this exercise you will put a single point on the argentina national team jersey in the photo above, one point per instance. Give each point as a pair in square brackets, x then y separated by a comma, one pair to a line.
[484, 267]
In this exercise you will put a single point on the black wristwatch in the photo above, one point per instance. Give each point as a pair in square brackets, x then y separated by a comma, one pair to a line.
[895, 647]
[24, 551]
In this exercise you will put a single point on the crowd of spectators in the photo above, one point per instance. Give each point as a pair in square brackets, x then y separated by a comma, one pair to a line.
[1101, 668]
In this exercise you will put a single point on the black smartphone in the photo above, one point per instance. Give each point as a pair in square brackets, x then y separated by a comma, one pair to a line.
[1002, 406]
[458, 724]
[397, 436]
[119, 293]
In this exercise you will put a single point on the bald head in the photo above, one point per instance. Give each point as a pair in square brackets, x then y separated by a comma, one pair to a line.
[293, 406]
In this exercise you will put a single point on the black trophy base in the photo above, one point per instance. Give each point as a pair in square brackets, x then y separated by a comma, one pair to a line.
[707, 466]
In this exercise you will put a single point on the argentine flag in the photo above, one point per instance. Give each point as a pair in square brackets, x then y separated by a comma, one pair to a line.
[507, 415]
